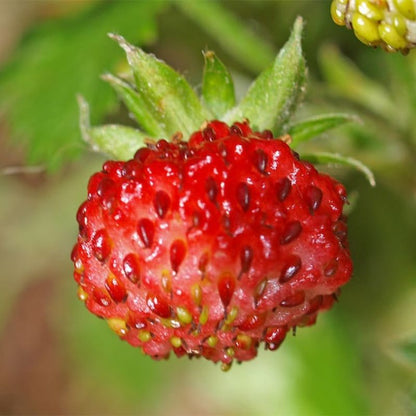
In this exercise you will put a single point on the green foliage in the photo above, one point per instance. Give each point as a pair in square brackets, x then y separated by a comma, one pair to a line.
[166, 95]
[217, 86]
[273, 97]
[59, 59]
[304, 130]
[136, 105]
[113, 139]
[232, 33]
[341, 365]
[345, 78]
[325, 158]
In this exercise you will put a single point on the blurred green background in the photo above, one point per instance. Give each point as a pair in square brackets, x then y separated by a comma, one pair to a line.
[55, 357]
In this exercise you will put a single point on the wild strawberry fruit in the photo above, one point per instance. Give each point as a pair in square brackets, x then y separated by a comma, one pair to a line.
[213, 246]
[389, 24]
[220, 239]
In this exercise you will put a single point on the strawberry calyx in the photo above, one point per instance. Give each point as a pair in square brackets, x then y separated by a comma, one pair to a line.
[165, 105]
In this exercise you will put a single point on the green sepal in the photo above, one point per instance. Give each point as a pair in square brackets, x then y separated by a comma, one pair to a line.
[117, 141]
[274, 95]
[136, 105]
[326, 158]
[309, 128]
[166, 94]
[217, 86]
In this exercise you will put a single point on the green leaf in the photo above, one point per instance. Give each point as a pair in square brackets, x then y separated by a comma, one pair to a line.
[58, 59]
[307, 129]
[136, 105]
[166, 94]
[345, 78]
[217, 86]
[120, 142]
[232, 34]
[334, 158]
[274, 95]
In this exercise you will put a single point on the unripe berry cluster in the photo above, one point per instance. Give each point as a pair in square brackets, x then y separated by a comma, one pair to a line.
[390, 24]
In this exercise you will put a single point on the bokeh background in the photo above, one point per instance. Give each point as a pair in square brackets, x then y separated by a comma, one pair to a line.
[55, 357]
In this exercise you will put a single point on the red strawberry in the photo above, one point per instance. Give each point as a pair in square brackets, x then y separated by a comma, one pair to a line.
[212, 246]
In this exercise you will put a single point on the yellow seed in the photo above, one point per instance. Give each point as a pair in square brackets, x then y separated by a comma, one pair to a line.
[184, 315]
[82, 294]
[176, 342]
[243, 341]
[389, 34]
[144, 336]
[118, 325]
[212, 341]
[369, 10]
[203, 318]
[365, 29]
[231, 315]
[166, 281]
[406, 8]
[226, 366]
[79, 266]
[196, 293]
[170, 323]
[337, 14]
[230, 351]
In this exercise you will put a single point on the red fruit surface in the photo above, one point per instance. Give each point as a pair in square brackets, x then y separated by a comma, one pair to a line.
[213, 246]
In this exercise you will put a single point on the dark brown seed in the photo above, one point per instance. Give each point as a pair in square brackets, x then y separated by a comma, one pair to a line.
[291, 267]
[283, 187]
[146, 231]
[259, 291]
[294, 300]
[131, 268]
[274, 336]
[313, 197]
[260, 160]
[246, 257]
[331, 268]
[208, 134]
[101, 297]
[234, 129]
[243, 195]
[161, 203]
[252, 322]
[101, 245]
[116, 290]
[226, 287]
[158, 306]
[203, 262]
[290, 232]
[340, 230]
[177, 254]
[211, 189]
